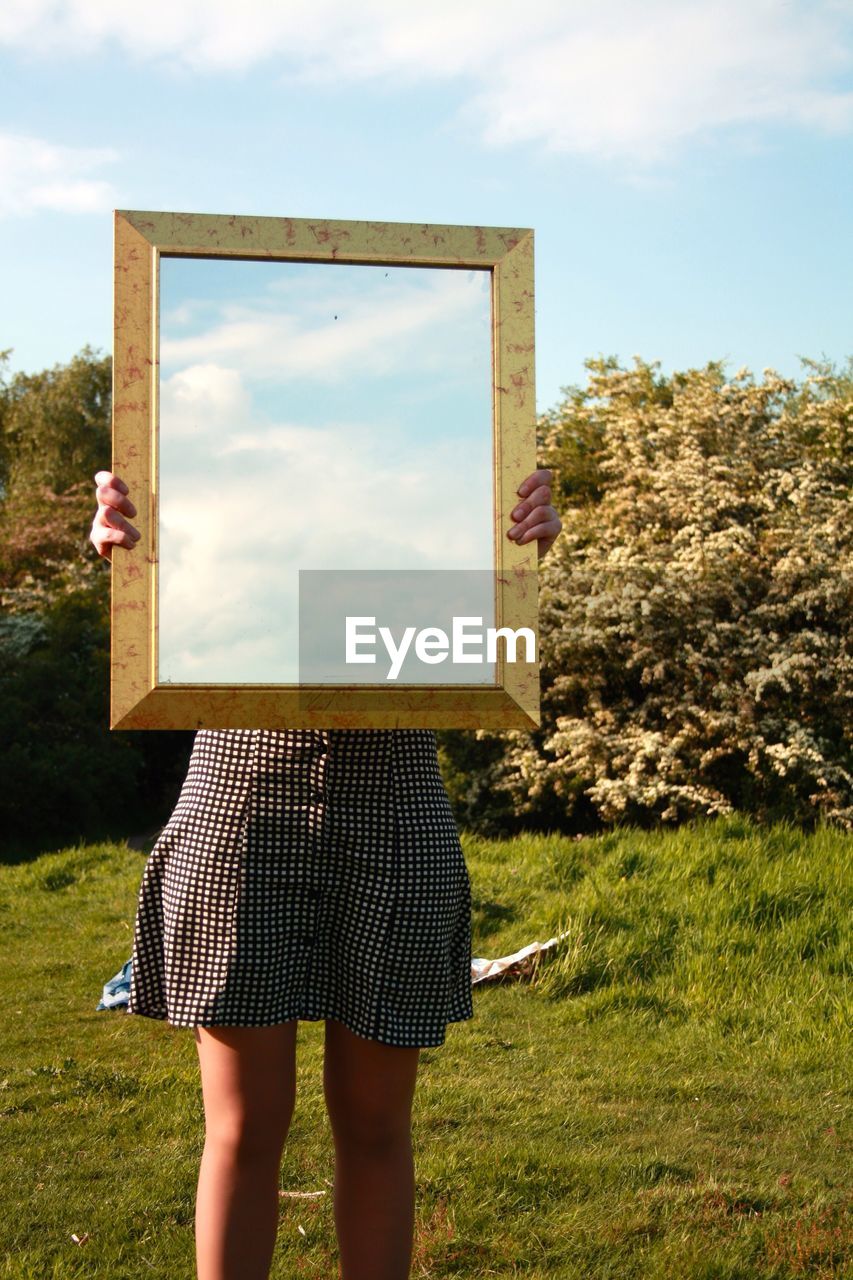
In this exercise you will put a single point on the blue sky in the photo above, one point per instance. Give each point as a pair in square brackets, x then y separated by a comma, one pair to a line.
[321, 383]
[686, 166]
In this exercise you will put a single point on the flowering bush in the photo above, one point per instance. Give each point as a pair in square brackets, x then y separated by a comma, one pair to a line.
[695, 610]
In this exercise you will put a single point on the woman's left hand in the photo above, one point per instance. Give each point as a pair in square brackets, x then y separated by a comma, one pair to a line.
[535, 517]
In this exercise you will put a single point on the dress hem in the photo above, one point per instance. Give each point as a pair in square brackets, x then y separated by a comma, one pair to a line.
[304, 1017]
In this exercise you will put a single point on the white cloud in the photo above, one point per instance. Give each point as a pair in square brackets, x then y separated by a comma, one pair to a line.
[337, 326]
[35, 174]
[247, 497]
[203, 396]
[615, 79]
[244, 505]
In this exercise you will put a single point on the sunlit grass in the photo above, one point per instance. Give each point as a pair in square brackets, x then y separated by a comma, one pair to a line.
[662, 1096]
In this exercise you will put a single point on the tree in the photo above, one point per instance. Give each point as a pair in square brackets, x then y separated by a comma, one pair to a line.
[65, 774]
[54, 436]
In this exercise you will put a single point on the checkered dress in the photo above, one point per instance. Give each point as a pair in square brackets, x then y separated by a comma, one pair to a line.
[308, 874]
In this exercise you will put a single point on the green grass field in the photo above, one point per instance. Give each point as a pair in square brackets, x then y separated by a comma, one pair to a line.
[665, 1096]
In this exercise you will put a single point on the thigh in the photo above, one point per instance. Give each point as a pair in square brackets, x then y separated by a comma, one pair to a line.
[248, 1078]
[369, 1086]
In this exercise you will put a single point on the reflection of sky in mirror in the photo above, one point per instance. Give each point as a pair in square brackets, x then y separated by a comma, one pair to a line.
[312, 416]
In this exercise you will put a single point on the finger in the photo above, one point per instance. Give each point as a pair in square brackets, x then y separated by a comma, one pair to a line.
[105, 539]
[537, 516]
[111, 497]
[538, 497]
[111, 479]
[541, 531]
[544, 529]
[540, 476]
[110, 518]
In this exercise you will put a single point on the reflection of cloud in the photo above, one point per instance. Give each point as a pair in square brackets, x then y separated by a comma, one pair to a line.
[337, 324]
[203, 397]
[615, 79]
[245, 504]
[182, 314]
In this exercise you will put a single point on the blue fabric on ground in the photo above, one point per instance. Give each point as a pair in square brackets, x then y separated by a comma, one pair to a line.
[117, 990]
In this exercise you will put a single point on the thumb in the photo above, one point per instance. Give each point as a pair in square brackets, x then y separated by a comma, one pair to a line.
[107, 477]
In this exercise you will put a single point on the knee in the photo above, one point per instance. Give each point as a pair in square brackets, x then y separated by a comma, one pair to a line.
[248, 1136]
[369, 1128]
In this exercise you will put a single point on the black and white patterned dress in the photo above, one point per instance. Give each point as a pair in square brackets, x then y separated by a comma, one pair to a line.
[312, 874]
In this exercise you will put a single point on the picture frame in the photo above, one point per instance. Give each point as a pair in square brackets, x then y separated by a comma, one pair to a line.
[150, 246]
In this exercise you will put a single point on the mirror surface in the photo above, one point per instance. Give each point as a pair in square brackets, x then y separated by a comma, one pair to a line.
[313, 416]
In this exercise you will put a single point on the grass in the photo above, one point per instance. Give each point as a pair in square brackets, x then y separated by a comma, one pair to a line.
[662, 1096]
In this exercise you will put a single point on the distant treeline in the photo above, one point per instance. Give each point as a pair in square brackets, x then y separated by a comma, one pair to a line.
[695, 614]
[65, 775]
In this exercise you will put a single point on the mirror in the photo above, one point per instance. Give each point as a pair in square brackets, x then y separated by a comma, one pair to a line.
[323, 425]
[315, 416]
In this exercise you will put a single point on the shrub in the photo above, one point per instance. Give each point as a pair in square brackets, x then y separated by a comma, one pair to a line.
[695, 610]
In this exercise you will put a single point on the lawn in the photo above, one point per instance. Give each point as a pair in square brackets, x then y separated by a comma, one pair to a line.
[665, 1095]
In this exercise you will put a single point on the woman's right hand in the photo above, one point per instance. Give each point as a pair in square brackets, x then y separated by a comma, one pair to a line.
[109, 525]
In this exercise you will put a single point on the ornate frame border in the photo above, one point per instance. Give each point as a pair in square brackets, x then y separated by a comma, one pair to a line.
[136, 701]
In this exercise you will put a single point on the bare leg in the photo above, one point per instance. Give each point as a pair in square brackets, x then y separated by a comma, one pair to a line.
[369, 1089]
[248, 1077]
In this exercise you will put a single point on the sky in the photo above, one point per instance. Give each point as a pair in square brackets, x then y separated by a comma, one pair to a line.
[352, 392]
[685, 164]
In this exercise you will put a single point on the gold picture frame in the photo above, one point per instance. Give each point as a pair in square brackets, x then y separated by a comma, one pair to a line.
[137, 700]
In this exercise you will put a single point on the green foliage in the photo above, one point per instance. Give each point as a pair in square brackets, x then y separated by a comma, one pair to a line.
[59, 779]
[55, 424]
[54, 436]
[65, 774]
[695, 611]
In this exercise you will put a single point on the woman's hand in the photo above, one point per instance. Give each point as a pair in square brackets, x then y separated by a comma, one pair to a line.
[109, 525]
[535, 517]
